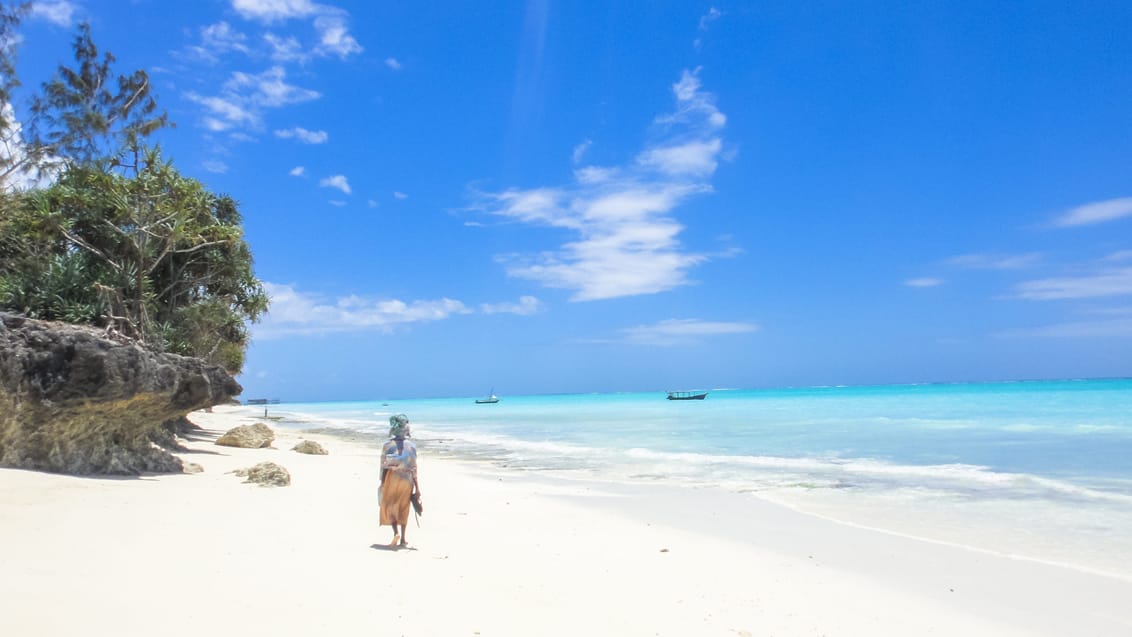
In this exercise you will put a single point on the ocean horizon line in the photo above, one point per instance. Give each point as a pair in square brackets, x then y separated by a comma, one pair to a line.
[768, 388]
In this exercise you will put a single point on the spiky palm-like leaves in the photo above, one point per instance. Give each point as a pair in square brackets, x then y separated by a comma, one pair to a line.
[155, 256]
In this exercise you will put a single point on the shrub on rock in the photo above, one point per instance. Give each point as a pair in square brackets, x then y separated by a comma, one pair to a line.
[254, 436]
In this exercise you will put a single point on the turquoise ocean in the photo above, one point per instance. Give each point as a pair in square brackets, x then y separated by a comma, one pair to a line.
[1035, 469]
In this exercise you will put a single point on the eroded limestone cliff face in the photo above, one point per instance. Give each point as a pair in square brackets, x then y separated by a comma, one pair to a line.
[72, 401]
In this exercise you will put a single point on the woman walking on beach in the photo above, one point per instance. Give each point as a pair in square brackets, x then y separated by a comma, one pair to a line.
[398, 478]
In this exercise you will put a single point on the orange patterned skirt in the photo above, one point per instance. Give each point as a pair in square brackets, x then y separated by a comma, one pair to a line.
[395, 499]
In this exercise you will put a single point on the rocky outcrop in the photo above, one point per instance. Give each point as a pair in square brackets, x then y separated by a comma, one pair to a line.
[266, 474]
[72, 401]
[311, 447]
[255, 436]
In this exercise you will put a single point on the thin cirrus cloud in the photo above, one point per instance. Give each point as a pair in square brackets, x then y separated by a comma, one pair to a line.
[297, 171]
[298, 313]
[1106, 323]
[682, 331]
[245, 96]
[336, 181]
[995, 261]
[393, 63]
[923, 282]
[525, 306]
[303, 135]
[580, 150]
[625, 237]
[1106, 283]
[1095, 212]
[215, 166]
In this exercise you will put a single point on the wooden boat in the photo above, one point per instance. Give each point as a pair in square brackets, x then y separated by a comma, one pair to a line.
[687, 395]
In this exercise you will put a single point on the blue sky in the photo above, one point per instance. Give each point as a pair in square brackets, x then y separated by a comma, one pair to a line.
[549, 197]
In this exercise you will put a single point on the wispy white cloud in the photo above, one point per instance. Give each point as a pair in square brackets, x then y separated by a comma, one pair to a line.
[691, 158]
[1119, 256]
[1108, 282]
[60, 12]
[626, 237]
[337, 203]
[297, 171]
[712, 15]
[595, 174]
[1115, 322]
[334, 37]
[331, 25]
[400, 195]
[694, 106]
[285, 49]
[393, 63]
[525, 306]
[995, 261]
[224, 113]
[580, 150]
[275, 10]
[371, 203]
[298, 313]
[706, 19]
[269, 88]
[304, 135]
[215, 166]
[681, 331]
[1094, 213]
[217, 40]
[336, 181]
[923, 282]
[245, 96]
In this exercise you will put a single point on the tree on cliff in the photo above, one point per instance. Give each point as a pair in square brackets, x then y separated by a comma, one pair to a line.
[120, 239]
[153, 256]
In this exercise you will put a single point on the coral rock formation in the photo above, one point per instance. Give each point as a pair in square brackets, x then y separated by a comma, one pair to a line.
[73, 401]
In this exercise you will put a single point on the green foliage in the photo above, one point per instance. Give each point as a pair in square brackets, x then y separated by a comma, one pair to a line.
[132, 246]
[154, 256]
[85, 115]
[59, 291]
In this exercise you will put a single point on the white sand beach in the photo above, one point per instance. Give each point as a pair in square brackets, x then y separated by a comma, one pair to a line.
[497, 553]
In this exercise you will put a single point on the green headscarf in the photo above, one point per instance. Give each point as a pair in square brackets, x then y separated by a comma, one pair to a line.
[398, 426]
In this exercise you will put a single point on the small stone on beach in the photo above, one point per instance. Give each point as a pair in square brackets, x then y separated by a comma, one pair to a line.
[255, 436]
[266, 474]
[310, 447]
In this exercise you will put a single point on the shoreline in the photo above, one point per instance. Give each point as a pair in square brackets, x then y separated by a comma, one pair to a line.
[498, 552]
[1052, 517]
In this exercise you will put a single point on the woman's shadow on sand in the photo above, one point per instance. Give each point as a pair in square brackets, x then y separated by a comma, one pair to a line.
[395, 548]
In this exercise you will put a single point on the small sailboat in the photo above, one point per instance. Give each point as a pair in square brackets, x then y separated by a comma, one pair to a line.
[491, 398]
